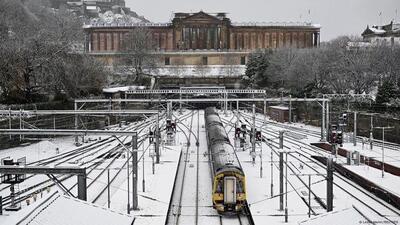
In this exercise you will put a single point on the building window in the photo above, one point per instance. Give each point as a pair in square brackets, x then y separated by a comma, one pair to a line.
[167, 61]
[205, 60]
[243, 60]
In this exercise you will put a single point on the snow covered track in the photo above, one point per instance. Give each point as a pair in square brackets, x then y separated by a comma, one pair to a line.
[104, 152]
[191, 200]
[345, 190]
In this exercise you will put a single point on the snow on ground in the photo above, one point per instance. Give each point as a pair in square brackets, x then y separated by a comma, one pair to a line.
[389, 182]
[392, 156]
[265, 207]
[350, 215]
[40, 150]
[154, 201]
[59, 209]
[45, 148]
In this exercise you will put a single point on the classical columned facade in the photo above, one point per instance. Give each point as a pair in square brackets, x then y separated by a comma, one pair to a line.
[188, 33]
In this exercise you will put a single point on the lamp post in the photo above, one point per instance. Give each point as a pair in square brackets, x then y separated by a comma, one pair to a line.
[383, 147]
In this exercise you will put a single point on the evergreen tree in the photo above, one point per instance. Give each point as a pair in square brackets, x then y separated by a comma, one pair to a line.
[386, 92]
[256, 69]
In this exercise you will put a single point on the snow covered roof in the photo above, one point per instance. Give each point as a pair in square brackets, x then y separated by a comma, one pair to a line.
[350, 215]
[123, 89]
[63, 210]
[199, 71]
[278, 24]
[377, 31]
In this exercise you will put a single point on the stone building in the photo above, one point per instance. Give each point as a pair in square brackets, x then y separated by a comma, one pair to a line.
[387, 34]
[203, 39]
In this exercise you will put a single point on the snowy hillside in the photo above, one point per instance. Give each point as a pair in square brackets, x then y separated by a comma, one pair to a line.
[109, 17]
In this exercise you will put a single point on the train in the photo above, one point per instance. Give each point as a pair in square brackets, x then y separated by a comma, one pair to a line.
[229, 184]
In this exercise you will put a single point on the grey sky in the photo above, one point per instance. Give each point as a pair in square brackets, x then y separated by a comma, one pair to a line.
[337, 17]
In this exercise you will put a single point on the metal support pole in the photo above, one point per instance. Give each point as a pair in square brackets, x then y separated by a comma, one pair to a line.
[158, 139]
[143, 174]
[281, 139]
[253, 139]
[281, 181]
[108, 188]
[128, 206]
[355, 130]
[286, 190]
[309, 196]
[323, 123]
[272, 172]
[226, 104]
[110, 104]
[371, 133]
[290, 108]
[261, 163]
[1, 205]
[329, 187]
[237, 106]
[9, 121]
[152, 161]
[20, 123]
[327, 119]
[82, 187]
[383, 152]
[180, 103]
[76, 122]
[134, 174]
[265, 106]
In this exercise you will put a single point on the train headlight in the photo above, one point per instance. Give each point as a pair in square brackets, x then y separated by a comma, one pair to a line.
[238, 207]
[220, 207]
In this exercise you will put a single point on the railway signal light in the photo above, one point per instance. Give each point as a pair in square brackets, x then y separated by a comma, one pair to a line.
[339, 137]
[237, 132]
[151, 137]
[258, 136]
[333, 138]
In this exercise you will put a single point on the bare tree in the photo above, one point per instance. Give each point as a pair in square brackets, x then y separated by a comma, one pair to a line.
[137, 54]
[37, 44]
[230, 61]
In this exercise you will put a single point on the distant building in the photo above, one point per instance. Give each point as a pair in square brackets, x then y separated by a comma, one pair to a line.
[387, 34]
[203, 39]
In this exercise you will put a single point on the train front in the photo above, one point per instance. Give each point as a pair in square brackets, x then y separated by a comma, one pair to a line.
[229, 192]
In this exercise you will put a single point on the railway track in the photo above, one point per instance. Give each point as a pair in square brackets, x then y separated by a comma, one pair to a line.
[175, 209]
[92, 150]
[191, 200]
[363, 197]
[303, 131]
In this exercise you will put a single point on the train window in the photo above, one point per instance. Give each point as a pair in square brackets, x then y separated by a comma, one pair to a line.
[220, 186]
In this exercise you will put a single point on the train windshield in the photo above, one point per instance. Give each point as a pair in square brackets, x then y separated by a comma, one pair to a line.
[220, 186]
[239, 186]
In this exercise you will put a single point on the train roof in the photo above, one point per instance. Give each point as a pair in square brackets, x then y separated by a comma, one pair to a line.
[222, 152]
